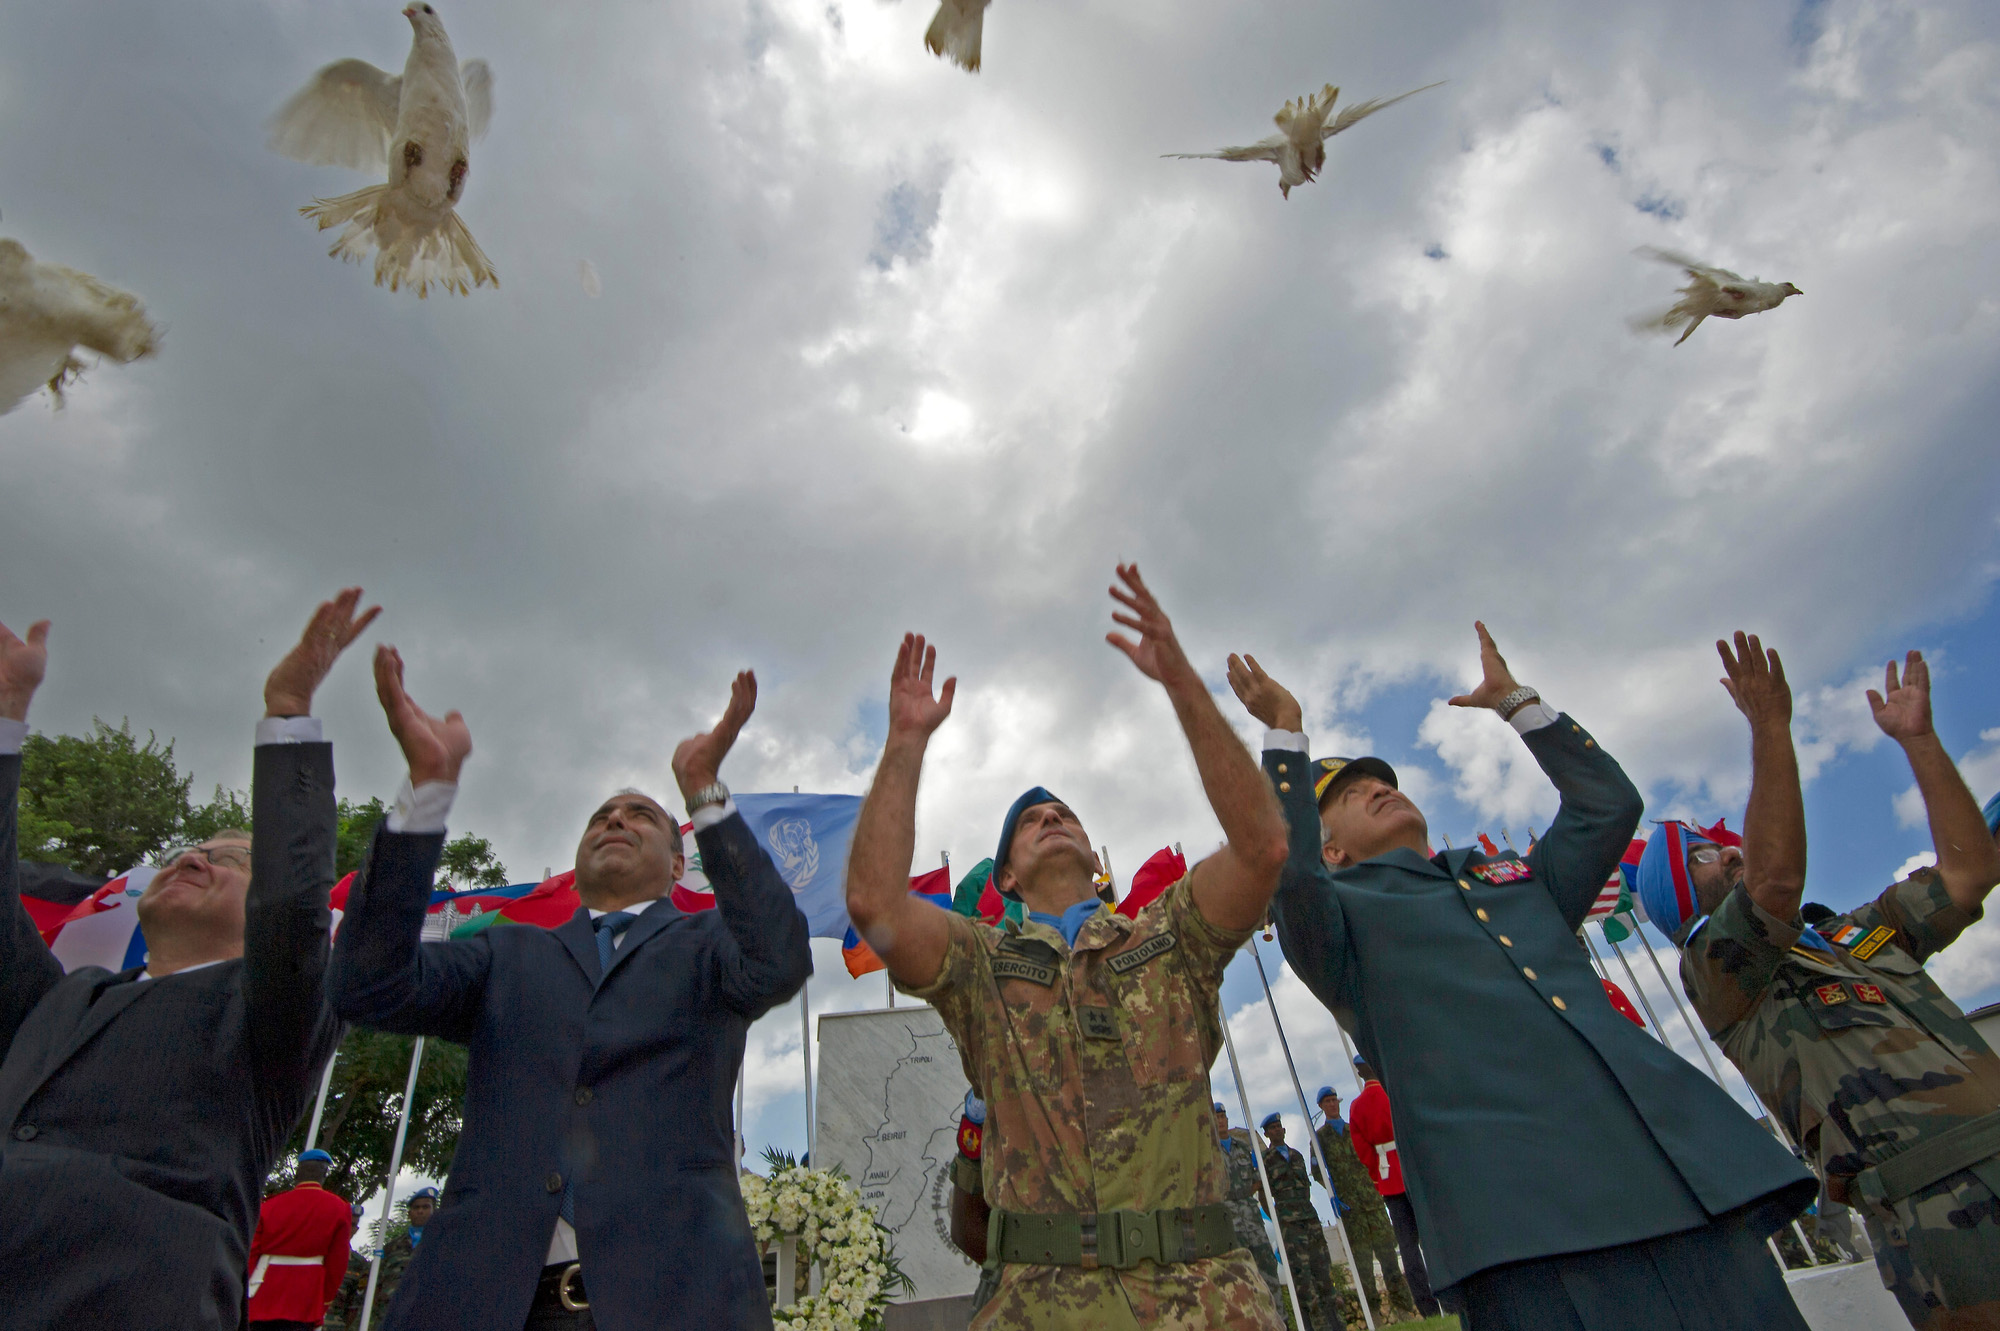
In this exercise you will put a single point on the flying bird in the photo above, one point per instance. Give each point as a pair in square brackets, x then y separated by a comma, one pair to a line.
[955, 32]
[1299, 146]
[417, 127]
[1715, 291]
[47, 312]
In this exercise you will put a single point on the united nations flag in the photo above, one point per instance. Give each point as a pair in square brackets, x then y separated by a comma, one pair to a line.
[807, 838]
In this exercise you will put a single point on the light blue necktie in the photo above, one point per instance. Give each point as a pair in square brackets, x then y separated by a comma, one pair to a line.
[609, 927]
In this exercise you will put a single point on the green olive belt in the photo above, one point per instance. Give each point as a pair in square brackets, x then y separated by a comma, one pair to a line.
[1116, 1239]
[1921, 1165]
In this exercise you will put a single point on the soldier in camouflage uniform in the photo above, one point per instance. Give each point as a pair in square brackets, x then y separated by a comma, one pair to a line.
[1248, 1204]
[1362, 1213]
[1837, 1026]
[1089, 1033]
[344, 1313]
[1305, 1241]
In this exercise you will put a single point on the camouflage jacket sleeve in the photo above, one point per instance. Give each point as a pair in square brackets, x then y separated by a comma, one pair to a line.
[1731, 959]
[1205, 949]
[964, 992]
[1922, 913]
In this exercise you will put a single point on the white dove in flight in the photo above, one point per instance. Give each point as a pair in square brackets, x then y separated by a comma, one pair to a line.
[418, 128]
[1299, 146]
[1715, 291]
[956, 30]
[47, 311]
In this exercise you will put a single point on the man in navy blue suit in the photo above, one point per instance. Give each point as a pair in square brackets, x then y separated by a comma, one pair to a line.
[595, 1179]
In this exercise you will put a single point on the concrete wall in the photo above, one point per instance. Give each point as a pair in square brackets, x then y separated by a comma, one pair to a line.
[1846, 1298]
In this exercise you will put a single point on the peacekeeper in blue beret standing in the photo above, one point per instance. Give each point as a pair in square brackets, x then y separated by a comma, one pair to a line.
[1567, 1170]
[1088, 1033]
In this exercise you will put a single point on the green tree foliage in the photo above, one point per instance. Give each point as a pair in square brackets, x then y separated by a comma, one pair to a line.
[357, 829]
[103, 802]
[468, 862]
[359, 1127]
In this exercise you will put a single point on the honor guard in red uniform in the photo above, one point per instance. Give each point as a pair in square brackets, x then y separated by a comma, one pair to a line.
[299, 1253]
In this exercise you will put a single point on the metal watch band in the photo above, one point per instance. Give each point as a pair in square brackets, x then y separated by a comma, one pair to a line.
[1515, 701]
[713, 793]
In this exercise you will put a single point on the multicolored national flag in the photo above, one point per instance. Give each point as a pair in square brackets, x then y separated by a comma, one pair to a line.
[1616, 898]
[934, 887]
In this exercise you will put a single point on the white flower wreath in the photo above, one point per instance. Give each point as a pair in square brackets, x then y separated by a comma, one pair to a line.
[836, 1231]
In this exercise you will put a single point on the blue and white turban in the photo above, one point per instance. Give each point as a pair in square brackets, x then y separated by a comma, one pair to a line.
[1664, 887]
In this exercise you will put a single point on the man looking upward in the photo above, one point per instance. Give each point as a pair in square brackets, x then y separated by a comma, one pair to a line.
[1460, 979]
[1361, 1210]
[1838, 1027]
[142, 1111]
[1089, 1034]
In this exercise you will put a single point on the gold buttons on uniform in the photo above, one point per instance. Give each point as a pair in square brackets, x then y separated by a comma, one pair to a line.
[1590, 744]
[1283, 768]
[1529, 971]
[1467, 886]
[1284, 786]
[1505, 941]
[1560, 1005]
[1483, 916]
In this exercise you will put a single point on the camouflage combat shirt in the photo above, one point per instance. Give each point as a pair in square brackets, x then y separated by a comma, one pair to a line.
[1093, 1062]
[1291, 1186]
[1856, 1050]
[1366, 1218]
[1246, 1188]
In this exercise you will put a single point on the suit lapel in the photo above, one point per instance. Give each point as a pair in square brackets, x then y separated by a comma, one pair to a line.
[113, 996]
[581, 940]
[657, 917]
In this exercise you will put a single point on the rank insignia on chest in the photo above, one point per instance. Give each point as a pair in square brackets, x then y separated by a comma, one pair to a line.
[1873, 943]
[1831, 994]
[1870, 993]
[1099, 1023]
[1501, 871]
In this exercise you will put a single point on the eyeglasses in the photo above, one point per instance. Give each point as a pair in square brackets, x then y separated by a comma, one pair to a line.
[232, 857]
[1704, 855]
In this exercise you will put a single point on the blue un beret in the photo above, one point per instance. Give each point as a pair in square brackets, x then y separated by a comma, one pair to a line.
[1029, 799]
[1270, 1118]
[315, 1154]
[1322, 1093]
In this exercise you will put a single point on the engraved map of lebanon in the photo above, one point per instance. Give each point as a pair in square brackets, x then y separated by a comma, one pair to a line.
[891, 1092]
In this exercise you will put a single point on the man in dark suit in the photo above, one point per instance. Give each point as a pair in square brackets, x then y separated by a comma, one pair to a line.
[143, 1110]
[1568, 1172]
[595, 1179]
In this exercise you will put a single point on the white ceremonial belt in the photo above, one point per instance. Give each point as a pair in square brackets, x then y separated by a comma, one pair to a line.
[1382, 1154]
[267, 1261]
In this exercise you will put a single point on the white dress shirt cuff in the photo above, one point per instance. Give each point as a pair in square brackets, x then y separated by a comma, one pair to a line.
[289, 730]
[1533, 716]
[421, 810]
[12, 733]
[1295, 740]
[708, 815]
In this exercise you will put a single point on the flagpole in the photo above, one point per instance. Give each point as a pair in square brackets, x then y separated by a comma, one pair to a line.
[1312, 1140]
[739, 1119]
[1243, 1097]
[1638, 990]
[806, 1048]
[319, 1104]
[389, 1185]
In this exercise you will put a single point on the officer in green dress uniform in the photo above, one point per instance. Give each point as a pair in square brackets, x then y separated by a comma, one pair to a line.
[1305, 1241]
[1837, 1025]
[1088, 1033]
[1362, 1214]
[1566, 1169]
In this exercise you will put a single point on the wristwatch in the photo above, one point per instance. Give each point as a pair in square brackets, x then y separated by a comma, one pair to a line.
[1515, 701]
[713, 793]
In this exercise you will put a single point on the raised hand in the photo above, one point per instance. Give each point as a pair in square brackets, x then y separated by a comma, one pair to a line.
[913, 712]
[1904, 710]
[1496, 681]
[22, 665]
[698, 758]
[1264, 697]
[289, 689]
[435, 749]
[1757, 684]
[1158, 652]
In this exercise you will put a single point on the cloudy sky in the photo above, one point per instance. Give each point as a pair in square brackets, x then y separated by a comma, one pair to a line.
[884, 345]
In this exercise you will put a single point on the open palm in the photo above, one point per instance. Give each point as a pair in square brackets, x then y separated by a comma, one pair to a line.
[698, 758]
[912, 708]
[22, 665]
[1903, 710]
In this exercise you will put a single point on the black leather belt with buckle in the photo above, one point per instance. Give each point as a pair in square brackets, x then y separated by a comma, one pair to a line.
[562, 1285]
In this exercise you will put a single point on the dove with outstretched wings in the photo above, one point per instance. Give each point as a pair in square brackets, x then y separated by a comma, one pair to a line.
[1710, 291]
[47, 312]
[956, 30]
[417, 127]
[1299, 146]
